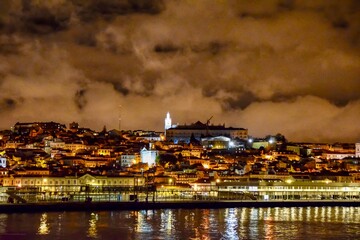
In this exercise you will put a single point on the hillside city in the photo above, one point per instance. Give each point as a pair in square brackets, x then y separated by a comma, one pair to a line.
[52, 157]
[187, 154]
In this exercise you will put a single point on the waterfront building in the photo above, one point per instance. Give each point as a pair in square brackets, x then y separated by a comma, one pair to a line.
[68, 184]
[71, 188]
[290, 189]
[198, 130]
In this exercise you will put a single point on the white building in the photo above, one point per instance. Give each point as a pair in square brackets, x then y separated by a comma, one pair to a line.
[2, 161]
[336, 155]
[167, 122]
[149, 156]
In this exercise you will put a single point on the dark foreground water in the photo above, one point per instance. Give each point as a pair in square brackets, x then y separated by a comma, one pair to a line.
[230, 223]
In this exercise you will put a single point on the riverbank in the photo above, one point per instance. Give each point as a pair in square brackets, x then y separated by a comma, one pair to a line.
[108, 206]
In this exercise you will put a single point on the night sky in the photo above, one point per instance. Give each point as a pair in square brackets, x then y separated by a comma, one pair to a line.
[272, 66]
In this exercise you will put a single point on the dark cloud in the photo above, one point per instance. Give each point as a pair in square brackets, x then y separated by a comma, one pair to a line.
[7, 104]
[288, 66]
[108, 9]
[44, 19]
[80, 98]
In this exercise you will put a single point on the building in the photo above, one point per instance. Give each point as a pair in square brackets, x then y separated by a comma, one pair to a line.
[219, 142]
[357, 150]
[37, 127]
[149, 156]
[183, 133]
[3, 161]
[129, 159]
[290, 189]
[167, 121]
[70, 184]
[337, 155]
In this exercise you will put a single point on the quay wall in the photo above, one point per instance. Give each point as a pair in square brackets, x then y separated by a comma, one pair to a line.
[115, 206]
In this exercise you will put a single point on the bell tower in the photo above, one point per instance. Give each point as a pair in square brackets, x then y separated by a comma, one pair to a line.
[167, 122]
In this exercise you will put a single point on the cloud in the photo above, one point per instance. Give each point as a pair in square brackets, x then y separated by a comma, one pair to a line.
[304, 119]
[294, 63]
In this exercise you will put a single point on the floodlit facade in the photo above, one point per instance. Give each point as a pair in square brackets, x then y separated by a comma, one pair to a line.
[183, 133]
[2, 161]
[167, 121]
[291, 190]
[149, 156]
[357, 150]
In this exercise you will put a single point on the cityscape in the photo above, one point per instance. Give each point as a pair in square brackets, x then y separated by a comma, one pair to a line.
[49, 161]
[179, 119]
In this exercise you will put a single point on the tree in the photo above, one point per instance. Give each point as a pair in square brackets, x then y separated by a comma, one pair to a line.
[193, 140]
[166, 158]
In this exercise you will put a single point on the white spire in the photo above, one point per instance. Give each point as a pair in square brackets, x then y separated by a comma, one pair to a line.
[167, 121]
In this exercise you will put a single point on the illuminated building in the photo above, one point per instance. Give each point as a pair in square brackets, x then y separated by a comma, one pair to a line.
[337, 155]
[130, 158]
[2, 161]
[44, 187]
[149, 156]
[167, 121]
[183, 133]
[357, 151]
[219, 142]
[290, 189]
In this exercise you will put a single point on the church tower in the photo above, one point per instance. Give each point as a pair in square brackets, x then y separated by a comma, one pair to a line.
[167, 122]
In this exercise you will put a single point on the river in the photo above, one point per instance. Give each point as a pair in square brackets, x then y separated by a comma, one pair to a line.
[228, 223]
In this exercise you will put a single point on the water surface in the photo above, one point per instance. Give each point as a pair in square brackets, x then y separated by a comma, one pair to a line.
[229, 223]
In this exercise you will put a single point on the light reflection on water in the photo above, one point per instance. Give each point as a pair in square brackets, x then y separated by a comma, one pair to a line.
[92, 231]
[196, 224]
[44, 225]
